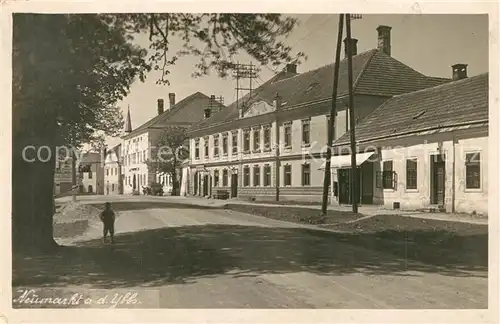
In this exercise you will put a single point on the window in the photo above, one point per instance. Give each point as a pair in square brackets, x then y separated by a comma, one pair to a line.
[216, 178]
[256, 176]
[473, 170]
[256, 139]
[206, 147]
[216, 145]
[145, 155]
[288, 135]
[234, 139]
[246, 176]
[144, 179]
[107, 171]
[267, 138]
[224, 144]
[267, 175]
[306, 174]
[246, 141]
[197, 150]
[306, 132]
[386, 179]
[288, 174]
[90, 174]
[411, 174]
[112, 187]
[225, 176]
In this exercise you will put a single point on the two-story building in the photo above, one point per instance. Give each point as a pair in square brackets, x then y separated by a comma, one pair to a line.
[113, 171]
[237, 149]
[63, 176]
[137, 144]
[423, 150]
[91, 173]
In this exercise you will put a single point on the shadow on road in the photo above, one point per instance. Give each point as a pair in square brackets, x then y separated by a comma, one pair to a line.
[182, 254]
[142, 205]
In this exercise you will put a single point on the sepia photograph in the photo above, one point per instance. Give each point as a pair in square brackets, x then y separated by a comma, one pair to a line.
[250, 160]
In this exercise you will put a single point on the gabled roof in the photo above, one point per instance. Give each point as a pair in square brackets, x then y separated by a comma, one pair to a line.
[451, 104]
[374, 73]
[187, 111]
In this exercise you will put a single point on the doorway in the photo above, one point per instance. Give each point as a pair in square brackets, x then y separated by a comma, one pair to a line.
[438, 178]
[206, 185]
[234, 185]
[344, 186]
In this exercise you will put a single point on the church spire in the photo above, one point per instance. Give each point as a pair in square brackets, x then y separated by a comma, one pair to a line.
[128, 123]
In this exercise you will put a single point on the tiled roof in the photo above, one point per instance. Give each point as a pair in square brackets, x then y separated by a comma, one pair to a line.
[446, 105]
[374, 73]
[189, 110]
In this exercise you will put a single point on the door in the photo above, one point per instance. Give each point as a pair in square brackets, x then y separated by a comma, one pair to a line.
[205, 185]
[343, 186]
[438, 180]
[234, 185]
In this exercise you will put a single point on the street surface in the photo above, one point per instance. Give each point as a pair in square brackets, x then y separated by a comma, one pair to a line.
[190, 256]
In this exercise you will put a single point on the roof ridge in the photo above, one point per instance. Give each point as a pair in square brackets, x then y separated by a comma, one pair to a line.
[442, 85]
[372, 55]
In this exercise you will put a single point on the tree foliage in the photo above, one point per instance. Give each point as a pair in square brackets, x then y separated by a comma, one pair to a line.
[214, 38]
[170, 150]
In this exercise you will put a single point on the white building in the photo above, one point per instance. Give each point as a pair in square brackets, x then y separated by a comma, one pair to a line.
[113, 171]
[423, 150]
[137, 144]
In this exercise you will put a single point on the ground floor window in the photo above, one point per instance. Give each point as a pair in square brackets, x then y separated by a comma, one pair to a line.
[267, 175]
[216, 178]
[256, 175]
[387, 178]
[288, 175]
[306, 174]
[225, 177]
[473, 170]
[246, 176]
[411, 174]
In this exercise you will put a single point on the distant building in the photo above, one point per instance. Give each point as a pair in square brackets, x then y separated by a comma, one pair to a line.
[137, 144]
[91, 173]
[236, 149]
[113, 172]
[63, 177]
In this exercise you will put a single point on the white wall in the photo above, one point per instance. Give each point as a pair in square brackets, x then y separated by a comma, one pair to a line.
[457, 197]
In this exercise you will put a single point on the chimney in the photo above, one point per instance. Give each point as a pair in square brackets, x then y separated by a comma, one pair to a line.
[384, 39]
[160, 107]
[291, 68]
[171, 99]
[211, 103]
[459, 71]
[354, 46]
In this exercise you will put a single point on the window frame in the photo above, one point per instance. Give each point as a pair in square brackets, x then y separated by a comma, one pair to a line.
[407, 174]
[256, 175]
[287, 126]
[256, 144]
[267, 144]
[246, 141]
[478, 164]
[287, 174]
[246, 176]
[216, 177]
[197, 149]
[234, 140]
[215, 147]
[267, 169]
[225, 177]
[303, 174]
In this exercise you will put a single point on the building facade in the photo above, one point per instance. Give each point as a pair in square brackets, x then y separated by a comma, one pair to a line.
[273, 141]
[113, 172]
[91, 173]
[138, 145]
[433, 154]
[63, 177]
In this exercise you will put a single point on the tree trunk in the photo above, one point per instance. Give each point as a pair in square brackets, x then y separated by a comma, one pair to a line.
[32, 201]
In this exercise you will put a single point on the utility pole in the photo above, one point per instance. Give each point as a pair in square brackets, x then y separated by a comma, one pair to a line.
[244, 71]
[331, 124]
[277, 101]
[352, 121]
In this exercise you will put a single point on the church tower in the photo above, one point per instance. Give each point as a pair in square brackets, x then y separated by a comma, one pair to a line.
[128, 123]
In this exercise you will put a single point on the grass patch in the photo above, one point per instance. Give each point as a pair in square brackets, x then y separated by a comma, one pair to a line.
[296, 214]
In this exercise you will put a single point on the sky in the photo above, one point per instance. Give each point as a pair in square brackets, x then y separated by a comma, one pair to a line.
[428, 43]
